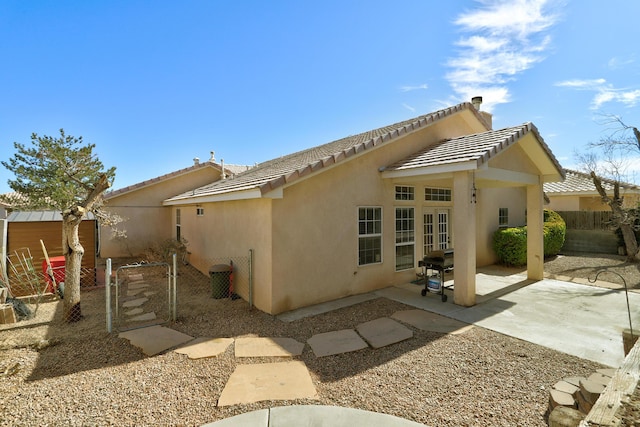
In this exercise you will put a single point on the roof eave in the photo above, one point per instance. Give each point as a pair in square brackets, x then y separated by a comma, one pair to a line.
[253, 193]
[431, 170]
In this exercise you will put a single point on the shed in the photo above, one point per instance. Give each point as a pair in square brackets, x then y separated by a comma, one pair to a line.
[25, 229]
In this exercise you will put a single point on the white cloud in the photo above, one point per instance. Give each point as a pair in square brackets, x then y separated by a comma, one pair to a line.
[408, 107]
[604, 92]
[506, 38]
[617, 63]
[411, 88]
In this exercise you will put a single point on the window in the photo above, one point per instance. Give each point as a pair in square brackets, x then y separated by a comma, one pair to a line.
[369, 235]
[178, 236]
[503, 217]
[404, 193]
[200, 211]
[437, 194]
[405, 238]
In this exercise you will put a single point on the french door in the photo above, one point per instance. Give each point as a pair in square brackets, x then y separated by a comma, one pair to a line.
[437, 230]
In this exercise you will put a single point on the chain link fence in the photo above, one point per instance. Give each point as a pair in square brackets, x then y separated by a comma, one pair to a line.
[138, 294]
[213, 280]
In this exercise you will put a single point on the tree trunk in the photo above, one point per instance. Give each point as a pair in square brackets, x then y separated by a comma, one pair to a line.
[620, 217]
[73, 252]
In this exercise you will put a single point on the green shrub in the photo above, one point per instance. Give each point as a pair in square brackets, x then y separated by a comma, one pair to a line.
[510, 244]
[555, 231]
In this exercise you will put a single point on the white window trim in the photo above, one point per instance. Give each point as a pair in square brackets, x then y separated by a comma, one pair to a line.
[370, 235]
[412, 243]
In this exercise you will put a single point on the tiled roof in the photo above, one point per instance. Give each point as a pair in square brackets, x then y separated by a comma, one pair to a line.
[579, 182]
[229, 169]
[275, 173]
[477, 148]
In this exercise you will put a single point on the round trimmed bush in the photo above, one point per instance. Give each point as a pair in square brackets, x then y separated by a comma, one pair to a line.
[510, 244]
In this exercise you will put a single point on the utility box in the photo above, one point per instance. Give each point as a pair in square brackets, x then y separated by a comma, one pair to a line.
[220, 275]
[7, 315]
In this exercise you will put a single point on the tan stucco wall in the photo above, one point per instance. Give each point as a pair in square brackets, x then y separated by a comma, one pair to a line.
[146, 220]
[587, 203]
[231, 229]
[315, 245]
[490, 200]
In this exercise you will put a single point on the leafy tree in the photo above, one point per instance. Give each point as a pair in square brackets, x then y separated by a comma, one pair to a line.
[62, 174]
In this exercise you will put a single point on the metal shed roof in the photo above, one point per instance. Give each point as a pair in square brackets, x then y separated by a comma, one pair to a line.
[41, 216]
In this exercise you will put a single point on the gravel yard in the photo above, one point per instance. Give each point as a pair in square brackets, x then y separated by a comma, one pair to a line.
[57, 374]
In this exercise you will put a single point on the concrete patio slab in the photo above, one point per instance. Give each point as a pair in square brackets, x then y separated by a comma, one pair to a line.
[267, 347]
[383, 332]
[313, 415]
[205, 347]
[268, 381]
[432, 322]
[155, 339]
[330, 343]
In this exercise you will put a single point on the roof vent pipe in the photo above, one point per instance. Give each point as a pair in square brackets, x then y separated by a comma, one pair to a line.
[196, 161]
[224, 175]
[476, 101]
[213, 157]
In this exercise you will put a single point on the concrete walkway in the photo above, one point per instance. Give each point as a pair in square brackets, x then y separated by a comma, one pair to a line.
[313, 415]
[581, 320]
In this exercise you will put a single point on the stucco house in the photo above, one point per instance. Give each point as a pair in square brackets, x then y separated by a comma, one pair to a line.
[357, 214]
[146, 219]
[578, 193]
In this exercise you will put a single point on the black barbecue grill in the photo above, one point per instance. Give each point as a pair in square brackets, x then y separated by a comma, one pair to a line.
[439, 261]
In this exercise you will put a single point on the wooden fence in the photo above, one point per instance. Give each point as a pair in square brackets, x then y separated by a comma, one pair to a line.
[587, 220]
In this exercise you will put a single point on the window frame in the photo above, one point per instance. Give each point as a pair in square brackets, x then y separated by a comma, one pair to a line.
[405, 237]
[438, 194]
[362, 251]
[503, 217]
[405, 193]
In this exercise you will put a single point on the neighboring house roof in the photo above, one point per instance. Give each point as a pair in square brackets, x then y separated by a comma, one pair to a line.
[469, 152]
[229, 170]
[274, 174]
[9, 199]
[579, 183]
[38, 216]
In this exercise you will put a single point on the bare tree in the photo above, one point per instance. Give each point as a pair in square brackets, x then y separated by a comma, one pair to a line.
[610, 162]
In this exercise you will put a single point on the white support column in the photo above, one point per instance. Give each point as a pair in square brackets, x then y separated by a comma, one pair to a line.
[535, 232]
[464, 239]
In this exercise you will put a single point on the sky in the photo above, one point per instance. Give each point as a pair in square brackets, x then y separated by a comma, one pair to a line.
[155, 84]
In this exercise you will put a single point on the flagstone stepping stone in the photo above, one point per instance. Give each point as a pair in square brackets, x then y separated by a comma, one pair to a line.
[268, 381]
[135, 277]
[133, 292]
[205, 347]
[140, 285]
[135, 302]
[330, 343]
[383, 332]
[150, 293]
[155, 339]
[432, 322]
[267, 347]
[143, 317]
[134, 311]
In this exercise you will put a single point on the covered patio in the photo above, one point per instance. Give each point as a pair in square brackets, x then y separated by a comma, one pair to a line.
[472, 166]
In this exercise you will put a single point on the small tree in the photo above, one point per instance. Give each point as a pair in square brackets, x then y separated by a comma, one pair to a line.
[609, 162]
[62, 174]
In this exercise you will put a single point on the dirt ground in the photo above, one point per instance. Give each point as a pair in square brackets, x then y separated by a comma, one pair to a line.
[37, 358]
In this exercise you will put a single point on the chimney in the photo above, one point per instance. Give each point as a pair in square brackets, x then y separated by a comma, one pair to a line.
[476, 101]
[488, 117]
[196, 161]
[213, 157]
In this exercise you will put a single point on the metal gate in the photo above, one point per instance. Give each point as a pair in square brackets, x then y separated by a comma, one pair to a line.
[142, 295]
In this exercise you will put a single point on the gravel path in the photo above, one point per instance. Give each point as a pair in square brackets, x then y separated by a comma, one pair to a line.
[56, 374]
